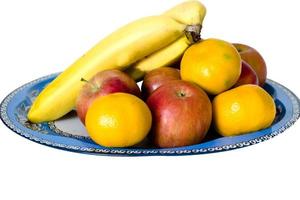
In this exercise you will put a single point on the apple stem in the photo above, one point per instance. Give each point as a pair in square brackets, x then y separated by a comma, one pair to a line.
[95, 87]
[181, 94]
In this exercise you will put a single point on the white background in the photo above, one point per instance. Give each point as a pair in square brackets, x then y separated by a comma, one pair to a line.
[41, 37]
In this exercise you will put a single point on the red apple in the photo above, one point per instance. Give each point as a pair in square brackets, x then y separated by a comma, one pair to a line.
[248, 76]
[255, 60]
[181, 113]
[103, 83]
[158, 77]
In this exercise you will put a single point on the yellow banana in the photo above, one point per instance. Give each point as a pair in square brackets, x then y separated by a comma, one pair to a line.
[161, 58]
[124, 47]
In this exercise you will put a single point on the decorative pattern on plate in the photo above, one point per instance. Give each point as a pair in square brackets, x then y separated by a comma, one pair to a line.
[53, 127]
[15, 106]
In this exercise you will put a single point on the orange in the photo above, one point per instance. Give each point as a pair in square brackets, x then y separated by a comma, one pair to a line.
[213, 64]
[243, 109]
[118, 120]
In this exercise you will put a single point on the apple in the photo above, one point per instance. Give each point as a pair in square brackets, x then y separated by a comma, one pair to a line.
[255, 60]
[158, 77]
[248, 76]
[104, 83]
[181, 113]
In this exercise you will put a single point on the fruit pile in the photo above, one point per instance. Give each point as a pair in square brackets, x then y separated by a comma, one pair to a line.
[190, 85]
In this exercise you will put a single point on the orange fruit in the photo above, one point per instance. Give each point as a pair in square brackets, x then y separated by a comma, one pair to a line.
[213, 64]
[242, 110]
[118, 120]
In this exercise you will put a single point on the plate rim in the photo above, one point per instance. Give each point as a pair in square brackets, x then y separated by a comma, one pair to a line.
[144, 152]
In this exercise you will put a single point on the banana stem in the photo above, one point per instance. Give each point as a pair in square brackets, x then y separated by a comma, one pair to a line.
[193, 33]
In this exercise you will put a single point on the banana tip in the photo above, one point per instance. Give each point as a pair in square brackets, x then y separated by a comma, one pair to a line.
[32, 116]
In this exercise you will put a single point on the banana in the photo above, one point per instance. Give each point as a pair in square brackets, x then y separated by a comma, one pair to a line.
[161, 58]
[123, 48]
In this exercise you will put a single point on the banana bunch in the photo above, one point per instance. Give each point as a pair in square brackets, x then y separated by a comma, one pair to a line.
[138, 47]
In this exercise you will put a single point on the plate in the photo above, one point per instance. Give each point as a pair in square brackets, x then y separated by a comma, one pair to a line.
[69, 134]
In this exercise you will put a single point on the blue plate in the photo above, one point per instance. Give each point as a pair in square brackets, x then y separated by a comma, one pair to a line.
[68, 133]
